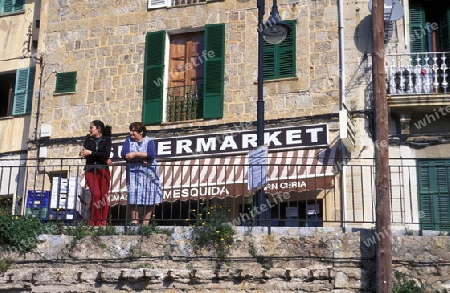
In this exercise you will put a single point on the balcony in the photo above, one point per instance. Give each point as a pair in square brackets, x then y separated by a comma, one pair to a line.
[184, 103]
[418, 79]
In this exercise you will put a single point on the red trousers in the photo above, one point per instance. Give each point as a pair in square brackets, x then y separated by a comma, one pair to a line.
[98, 181]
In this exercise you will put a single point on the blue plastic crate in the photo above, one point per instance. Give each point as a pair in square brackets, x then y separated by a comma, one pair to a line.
[63, 214]
[38, 203]
[38, 199]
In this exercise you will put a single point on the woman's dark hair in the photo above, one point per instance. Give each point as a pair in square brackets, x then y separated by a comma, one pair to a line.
[139, 128]
[106, 129]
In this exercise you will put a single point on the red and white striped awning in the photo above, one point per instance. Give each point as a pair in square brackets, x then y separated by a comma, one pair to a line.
[291, 171]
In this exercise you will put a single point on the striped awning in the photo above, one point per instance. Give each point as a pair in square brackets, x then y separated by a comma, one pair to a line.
[220, 177]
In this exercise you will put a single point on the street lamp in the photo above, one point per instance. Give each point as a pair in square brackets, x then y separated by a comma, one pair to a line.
[274, 31]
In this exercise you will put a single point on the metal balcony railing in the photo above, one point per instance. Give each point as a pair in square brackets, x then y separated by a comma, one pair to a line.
[417, 73]
[58, 193]
[185, 2]
[184, 103]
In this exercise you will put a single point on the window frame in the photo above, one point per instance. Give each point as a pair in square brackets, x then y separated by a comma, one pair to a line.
[8, 81]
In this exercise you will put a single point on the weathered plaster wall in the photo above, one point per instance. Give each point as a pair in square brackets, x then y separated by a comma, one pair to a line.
[296, 260]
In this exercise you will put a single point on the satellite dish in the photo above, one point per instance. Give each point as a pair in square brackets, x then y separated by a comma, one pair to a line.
[393, 10]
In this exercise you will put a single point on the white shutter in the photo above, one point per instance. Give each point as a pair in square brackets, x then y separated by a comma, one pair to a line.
[157, 3]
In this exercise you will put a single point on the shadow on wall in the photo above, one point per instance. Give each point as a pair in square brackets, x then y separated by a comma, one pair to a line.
[363, 35]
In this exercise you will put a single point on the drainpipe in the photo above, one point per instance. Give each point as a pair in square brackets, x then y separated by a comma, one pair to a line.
[35, 140]
[38, 108]
[341, 107]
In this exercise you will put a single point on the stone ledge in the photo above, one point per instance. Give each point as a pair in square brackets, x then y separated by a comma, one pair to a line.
[312, 260]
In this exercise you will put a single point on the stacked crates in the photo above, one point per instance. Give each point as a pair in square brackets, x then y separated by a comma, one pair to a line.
[38, 204]
[63, 200]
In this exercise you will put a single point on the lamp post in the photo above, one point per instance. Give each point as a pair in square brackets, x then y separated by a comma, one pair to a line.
[274, 31]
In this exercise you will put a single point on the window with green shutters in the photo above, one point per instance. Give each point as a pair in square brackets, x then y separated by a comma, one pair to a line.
[66, 82]
[186, 98]
[23, 93]
[434, 194]
[9, 6]
[279, 59]
[428, 29]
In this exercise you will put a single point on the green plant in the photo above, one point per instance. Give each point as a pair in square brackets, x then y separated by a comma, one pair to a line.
[252, 249]
[80, 230]
[4, 264]
[148, 230]
[212, 230]
[408, 232]
[19, 233]
[403, 285]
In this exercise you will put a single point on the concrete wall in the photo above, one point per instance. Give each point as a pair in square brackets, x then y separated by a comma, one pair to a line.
[17, 31]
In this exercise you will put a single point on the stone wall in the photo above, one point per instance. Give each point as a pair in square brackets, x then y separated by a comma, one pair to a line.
[287, 260]
[104, 42]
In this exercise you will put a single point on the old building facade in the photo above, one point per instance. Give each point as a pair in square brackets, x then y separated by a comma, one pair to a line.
[188, 70]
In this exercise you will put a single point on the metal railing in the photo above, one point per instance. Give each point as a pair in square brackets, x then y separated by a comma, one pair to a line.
[184, 103]
[185, 2]
[57, 192]
[417, 73]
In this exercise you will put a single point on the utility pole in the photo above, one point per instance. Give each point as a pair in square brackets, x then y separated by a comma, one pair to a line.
[383, 210]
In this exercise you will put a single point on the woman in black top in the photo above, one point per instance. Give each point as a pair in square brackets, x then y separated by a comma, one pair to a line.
[96, 151]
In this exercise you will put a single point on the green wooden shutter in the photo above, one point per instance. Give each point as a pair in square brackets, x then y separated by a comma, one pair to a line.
[426, 212]
[19, 5]
[279, 59]
[443, 212]
[23, 94]
[7, 6]
[214, 71]
[269, 59]
[444, 32]
[434, 194]
[66, 82]
[418, 41]
[286, 53]
[152, 108]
